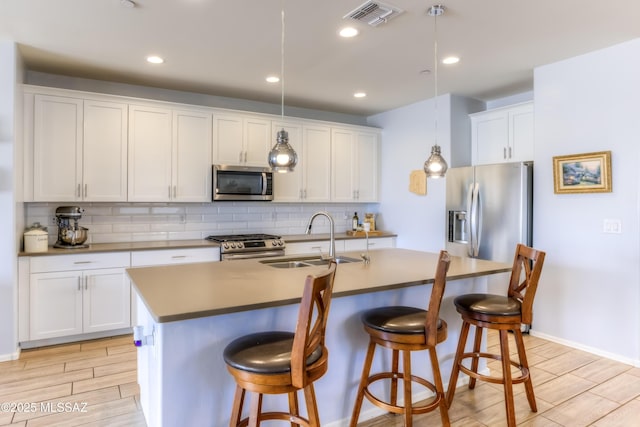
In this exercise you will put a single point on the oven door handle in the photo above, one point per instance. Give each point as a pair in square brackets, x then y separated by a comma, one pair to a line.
[266, 254]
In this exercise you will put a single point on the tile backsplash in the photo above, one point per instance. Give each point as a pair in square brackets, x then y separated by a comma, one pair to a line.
[137, 222]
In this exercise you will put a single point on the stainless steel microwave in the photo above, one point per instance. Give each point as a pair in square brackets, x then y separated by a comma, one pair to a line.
[235, 183]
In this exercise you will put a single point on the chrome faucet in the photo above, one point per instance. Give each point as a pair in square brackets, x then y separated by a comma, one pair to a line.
[332, 248]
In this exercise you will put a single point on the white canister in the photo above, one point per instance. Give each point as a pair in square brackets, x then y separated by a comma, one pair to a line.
[36, 239]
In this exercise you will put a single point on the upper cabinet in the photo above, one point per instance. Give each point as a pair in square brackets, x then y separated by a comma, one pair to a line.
[82, 146]
[502, 135]
[241, 140]
[79, 150]
[354, 161]
[169, 155]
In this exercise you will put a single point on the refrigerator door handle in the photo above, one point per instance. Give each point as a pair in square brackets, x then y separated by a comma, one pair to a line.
[478, 219]
[470, 221]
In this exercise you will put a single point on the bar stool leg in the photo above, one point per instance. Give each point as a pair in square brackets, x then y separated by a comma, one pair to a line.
[393, 399]
[293, 405]
[312, 409]
[255, 410]
[363, 380]
[506, 374]
[406, 379]
[522, 355]
[437, 380]
[477, 343]
[455, 370]
[236, 411]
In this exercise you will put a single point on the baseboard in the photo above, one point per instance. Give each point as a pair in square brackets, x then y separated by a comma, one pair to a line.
[74, 338]
[592, 350]
[11, 356]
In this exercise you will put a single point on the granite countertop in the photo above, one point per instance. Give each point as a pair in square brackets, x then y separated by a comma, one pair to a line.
[181, 292]
[182, 244]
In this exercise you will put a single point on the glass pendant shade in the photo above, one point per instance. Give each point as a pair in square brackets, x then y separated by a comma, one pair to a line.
[282, 157]
[435, 166]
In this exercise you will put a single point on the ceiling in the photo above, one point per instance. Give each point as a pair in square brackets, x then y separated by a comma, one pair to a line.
[228, 47]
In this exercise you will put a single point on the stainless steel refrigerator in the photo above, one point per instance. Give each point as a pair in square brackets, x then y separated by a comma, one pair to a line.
[489, 210]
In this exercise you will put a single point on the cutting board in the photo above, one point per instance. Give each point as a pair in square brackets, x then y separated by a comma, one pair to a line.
[363, 234]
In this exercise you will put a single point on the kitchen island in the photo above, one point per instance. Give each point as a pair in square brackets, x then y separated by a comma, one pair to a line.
[193, 311]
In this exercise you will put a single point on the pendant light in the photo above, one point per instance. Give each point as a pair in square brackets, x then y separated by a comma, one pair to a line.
[435, 166]
[282, 157]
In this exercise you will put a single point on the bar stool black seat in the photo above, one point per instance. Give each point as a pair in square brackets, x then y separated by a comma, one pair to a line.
[278, 362]
[406, 329]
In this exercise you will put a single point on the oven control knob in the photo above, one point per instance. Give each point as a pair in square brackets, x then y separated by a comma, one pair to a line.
[233, 245]
[280, 242]
[240, 245]
[225, 245]
[274, 243]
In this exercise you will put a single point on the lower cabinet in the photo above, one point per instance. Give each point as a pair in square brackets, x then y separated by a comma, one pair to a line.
[71, 295]
[79, 302]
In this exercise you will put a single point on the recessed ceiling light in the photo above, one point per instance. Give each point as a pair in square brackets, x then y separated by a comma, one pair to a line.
[359, 94]
[155, 59]
[451, 60]
[273, 79]
[348, 32]
[127, 3]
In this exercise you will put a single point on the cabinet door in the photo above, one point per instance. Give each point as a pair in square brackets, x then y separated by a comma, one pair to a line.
[343, 165]
[57, 150]
[367, 170]
[257, 142]
[287, 187]
[104, 166]
[521, 133]
[490, 137]
[149, 154]
[55, 307]
[106, 300]
[361, 244]
[192, 156]
[316, 156]
[227, 140]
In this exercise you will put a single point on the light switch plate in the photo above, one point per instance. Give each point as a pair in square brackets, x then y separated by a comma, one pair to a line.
[612, 226]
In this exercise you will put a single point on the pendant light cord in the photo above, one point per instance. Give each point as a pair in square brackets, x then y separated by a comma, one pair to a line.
[435, 70]
[282, 62]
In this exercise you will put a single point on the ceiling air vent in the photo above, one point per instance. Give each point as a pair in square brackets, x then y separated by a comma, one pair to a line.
[373, 13]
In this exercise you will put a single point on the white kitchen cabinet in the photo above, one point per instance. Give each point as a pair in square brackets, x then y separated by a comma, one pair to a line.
[169, 155]
[79, 150]
[241, 140]
[288, 186]
[310, 181]
[374, 243]
[502, 135]
[71, 295]
[354, 165]
[316, 163]
[174, 256]
[316, 247]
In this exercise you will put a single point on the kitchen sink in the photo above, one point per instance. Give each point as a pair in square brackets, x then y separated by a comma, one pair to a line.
[299, 262]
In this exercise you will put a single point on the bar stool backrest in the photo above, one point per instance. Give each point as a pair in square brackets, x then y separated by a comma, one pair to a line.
[437, 291]
[312, 323]
[527, 266]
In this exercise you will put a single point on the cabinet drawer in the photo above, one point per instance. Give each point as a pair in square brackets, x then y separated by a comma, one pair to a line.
[79, 262]
[174, 256]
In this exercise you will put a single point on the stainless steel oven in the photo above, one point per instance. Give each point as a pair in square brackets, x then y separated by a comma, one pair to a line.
[242, 183]
[245, 246]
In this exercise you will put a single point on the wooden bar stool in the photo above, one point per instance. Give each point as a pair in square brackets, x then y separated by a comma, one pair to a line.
[406, 329]
[503, 313]
[284, 362]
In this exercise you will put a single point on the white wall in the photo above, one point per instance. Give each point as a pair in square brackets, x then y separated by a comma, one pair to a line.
[407, 138]
[8, 247]
[589, 293]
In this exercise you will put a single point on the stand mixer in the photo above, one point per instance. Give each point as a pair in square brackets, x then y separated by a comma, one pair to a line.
[70, 234]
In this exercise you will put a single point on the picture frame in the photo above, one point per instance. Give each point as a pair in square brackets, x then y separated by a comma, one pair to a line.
[582, 173]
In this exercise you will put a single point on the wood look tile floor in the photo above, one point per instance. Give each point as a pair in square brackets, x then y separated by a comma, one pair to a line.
[93, 383]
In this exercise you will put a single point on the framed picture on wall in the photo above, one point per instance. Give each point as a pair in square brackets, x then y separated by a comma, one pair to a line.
[582, 173]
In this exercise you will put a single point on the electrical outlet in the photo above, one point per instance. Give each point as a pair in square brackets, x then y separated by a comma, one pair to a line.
[613, 226]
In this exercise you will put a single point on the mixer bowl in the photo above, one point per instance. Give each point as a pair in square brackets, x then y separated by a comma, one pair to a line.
[74, 236]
